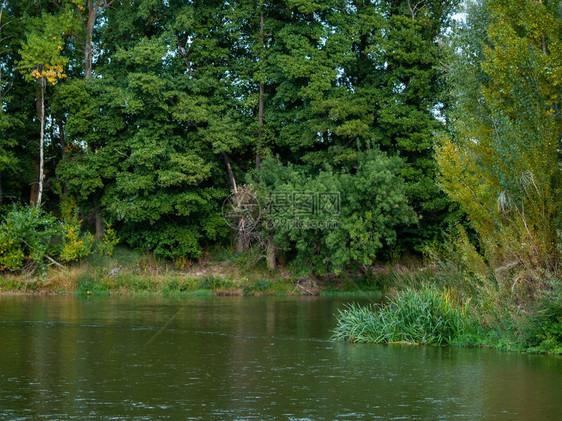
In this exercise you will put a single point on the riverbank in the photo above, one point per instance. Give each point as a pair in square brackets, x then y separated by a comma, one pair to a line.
[131, 272]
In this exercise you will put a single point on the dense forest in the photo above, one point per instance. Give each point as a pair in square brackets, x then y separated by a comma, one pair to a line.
[148, 114]
[361, 131]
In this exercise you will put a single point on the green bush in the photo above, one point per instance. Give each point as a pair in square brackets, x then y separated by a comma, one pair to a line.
[424, 316]
[26, 236]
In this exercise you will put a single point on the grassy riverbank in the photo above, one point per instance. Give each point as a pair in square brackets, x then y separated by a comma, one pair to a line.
[132, 272]
[430, 315]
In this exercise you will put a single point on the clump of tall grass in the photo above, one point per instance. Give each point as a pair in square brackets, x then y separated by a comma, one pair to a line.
[423, 316]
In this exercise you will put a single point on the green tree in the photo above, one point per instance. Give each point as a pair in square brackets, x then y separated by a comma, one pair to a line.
[155, 127]
[347, 76]
[329, 236]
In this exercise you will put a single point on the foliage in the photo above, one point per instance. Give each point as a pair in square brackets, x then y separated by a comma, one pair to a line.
[41, 56]
[546, 332]
[109, 241]
[149, 136]
[26, 236]
[502, 166]
[423, 316]
[341, 79]
[145, 142]
[372, 204]
[74, 244]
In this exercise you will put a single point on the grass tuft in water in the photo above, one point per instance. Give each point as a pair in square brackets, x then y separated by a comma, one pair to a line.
[424, 316]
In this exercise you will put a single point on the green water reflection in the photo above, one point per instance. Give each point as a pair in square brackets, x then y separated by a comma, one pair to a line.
[245, 358]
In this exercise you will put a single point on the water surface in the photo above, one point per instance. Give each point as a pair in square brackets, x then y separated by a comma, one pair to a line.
[228, 358]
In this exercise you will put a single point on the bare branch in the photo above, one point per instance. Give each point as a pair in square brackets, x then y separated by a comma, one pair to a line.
[53, 261]
[416, 8]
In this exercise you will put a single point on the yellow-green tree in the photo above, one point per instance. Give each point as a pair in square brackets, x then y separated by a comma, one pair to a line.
[503, 164]
[42, 62]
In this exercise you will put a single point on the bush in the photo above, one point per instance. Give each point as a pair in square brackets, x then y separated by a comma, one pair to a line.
[424, 316]
[74, 244]
[109, 241]
[26, 236]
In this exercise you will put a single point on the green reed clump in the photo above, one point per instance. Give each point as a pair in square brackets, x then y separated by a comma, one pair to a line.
[423, 316]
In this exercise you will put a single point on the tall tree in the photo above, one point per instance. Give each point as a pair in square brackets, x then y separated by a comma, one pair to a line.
[348, 76]
[42, 62]
[89, 16]
[156, 126]
[503, 165]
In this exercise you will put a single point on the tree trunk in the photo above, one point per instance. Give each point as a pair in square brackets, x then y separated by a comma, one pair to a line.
[35, 185]
[61, 137]
[41, 144]
[99, 224]
[34, 197]
[92, 14]
[240, 237]
[230, 173]
[62, 142]
[88, 49]
[271, 263]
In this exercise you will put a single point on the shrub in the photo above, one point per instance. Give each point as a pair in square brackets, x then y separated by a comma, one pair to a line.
[26, 236]
[109, 241]
[424, 316]
[74, 244]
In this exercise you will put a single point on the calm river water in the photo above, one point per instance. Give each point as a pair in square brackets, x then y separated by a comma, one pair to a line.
[226, 358]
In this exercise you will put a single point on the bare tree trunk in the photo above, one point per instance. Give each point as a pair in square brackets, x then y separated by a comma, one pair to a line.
[271, 261]
[415, 8]
[240, 237]
[93, 7]
[88, 54]
[230, 173]
[99, 224]
[92, 14]
[41, 144]
[62, 142]
[184, 54]
[35, 185]
[260, 129]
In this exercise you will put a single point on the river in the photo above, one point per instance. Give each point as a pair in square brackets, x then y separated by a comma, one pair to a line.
[245, 358]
